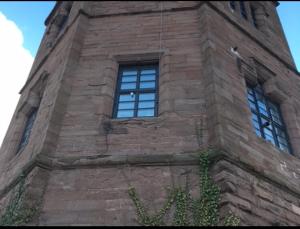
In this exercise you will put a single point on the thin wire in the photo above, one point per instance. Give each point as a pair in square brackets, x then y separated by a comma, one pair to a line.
[161, 28]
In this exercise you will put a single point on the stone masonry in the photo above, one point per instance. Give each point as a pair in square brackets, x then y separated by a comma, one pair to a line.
[79, 161]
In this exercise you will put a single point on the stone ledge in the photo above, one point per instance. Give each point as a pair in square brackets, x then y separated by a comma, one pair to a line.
[184, 158]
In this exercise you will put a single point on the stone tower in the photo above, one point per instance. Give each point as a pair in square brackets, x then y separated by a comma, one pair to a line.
[127, 93]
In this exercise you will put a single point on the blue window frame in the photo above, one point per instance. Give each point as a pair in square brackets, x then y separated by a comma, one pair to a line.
[136, 92]
[266, 118]
[27, 130]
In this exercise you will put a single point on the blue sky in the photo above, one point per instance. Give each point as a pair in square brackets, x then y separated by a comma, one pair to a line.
[21, 30]
[289, 14]
[29, 17]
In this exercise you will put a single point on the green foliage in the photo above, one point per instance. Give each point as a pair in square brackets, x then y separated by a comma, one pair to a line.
[180, 215]
[15, 213]
[231, 220]
[204, 210]
[143, 217]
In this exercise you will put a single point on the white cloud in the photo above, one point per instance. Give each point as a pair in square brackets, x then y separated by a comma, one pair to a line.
[15, 64]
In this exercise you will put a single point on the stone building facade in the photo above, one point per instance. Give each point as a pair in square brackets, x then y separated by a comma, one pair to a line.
[79, 158]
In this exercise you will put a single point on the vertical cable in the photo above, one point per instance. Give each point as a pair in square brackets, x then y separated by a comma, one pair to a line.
[161, 28]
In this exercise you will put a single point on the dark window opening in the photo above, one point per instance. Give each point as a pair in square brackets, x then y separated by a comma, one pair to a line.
[253, 15]
[137, 92]
[27, 130]
[63, 22]
[232, 5]
[243, 10]
[266, 119]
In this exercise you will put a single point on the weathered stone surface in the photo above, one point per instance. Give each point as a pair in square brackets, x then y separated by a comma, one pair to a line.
[80, 161]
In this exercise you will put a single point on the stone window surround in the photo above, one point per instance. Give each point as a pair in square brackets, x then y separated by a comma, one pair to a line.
[136, 57]
[254, 71]
[32, 100]
[138, 90]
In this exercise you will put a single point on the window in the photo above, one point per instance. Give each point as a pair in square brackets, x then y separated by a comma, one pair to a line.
[27, 130]
[266, 119]
[243, 9]
[253, 15]
[62, 23]
[136, 94]
[232, 5]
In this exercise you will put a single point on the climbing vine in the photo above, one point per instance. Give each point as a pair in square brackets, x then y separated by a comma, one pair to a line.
[16, 213]
[204, 210]
[143, 217]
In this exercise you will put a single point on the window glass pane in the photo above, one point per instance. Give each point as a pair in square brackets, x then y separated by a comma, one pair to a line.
[275, 113]
[250, 90]
[146, 112]
[27, 129]
[254, 117]
[127, 97]
[126, 105]
[282, 140]
[276, 118]
[129, 72]
[148, 71]
[273, 107]
[146, 104]
[128, 78]
[279, 132]
[146, 96]
[250, 97]
[264, 123]
[283, 147]
[147, 84]
[252, 105]
[255, 121]
[147, 77]
[255, 124]
[128, 85]
[269, 136]
[267, 131]
[262, 108]
[258, 133]
[125, 114]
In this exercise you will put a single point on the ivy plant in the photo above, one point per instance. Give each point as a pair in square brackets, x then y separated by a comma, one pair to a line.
[204, 210]
[16, 213]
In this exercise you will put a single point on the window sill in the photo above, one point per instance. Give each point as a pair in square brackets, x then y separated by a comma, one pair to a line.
[134, 120]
